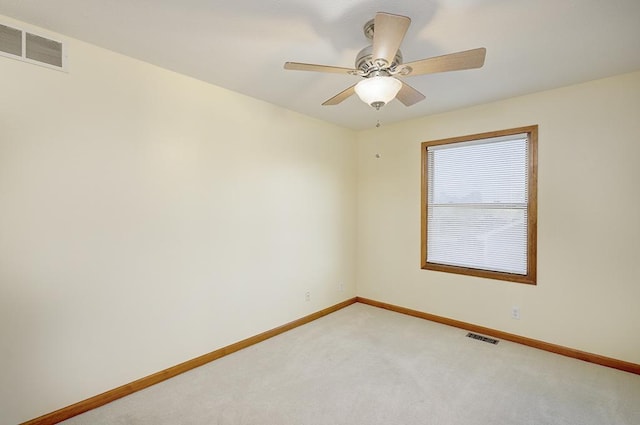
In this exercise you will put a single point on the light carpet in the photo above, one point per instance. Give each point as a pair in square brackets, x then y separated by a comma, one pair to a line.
[366, 366]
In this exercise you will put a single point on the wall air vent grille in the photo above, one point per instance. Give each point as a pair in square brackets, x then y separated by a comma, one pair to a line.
[482, 338]
[10, 40]
[28, 47]
[42, 49]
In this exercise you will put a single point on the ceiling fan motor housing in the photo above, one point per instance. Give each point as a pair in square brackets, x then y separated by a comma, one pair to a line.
[366, 63]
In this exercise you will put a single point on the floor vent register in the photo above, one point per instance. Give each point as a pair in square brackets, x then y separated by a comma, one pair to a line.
[482, 338]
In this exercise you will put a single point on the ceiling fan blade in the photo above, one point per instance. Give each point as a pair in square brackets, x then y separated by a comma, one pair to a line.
[468, 59]
[408, 95]
[297, 66]
[388, 32]
[343, 95]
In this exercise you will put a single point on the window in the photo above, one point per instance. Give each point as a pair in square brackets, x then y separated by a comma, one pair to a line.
[479, 205]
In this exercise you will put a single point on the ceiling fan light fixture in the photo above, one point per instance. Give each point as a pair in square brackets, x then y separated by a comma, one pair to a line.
[380, 62]
[378, 91]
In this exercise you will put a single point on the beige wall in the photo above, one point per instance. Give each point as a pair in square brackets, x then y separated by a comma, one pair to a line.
[588, 219]
[147, 218]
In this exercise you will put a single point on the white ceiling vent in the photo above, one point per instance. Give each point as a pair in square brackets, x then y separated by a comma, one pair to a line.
[28, 47]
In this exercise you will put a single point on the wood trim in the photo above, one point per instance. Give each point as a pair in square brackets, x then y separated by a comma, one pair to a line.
[546, 346]
[532, 212]
[424, 199]
[127, 389]
[532, 220]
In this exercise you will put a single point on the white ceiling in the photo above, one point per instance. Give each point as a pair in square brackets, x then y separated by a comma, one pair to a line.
[241, 45]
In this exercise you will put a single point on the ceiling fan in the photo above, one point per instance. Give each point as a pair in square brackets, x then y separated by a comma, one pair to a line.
[380, 63]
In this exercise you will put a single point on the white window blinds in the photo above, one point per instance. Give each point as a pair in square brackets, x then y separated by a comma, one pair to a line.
[477, 199]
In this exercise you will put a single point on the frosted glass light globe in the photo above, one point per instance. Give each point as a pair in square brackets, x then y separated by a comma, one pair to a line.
[378, 91]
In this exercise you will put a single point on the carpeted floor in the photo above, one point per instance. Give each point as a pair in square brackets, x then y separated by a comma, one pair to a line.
[366, 366]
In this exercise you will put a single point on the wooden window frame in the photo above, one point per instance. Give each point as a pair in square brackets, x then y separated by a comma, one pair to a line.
[532, 208]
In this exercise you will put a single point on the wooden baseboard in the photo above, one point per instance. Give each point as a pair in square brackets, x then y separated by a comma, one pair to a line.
[125, 390]
[558, 349]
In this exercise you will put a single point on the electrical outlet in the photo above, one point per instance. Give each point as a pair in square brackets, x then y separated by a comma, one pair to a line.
[515, 312]
[307, 296]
